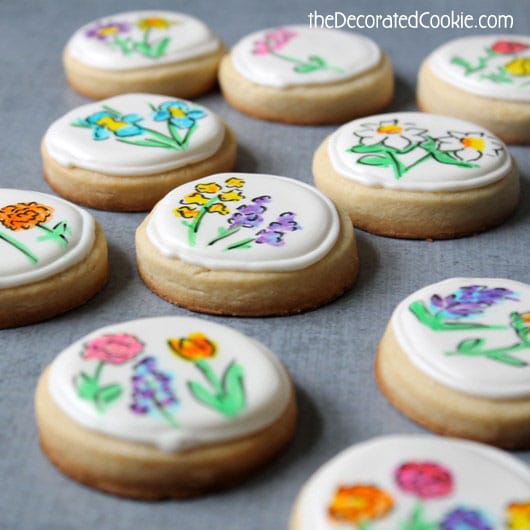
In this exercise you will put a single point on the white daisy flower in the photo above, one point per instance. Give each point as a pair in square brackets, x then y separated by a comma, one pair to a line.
[391, 133]
[470, 146]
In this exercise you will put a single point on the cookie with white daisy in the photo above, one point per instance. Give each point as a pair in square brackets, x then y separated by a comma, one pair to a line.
[155, 51]
[418, 176]
[125, 153]
[481, 78]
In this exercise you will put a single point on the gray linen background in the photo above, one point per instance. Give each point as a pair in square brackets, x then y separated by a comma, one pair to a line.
[329, 352]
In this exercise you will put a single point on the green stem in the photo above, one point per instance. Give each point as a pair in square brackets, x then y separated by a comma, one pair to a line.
[53, 235]
[397, 165]
[146, 36]
[209, 374]
[419, 161]
[498, 354]
[166, 415]
[228, 233]
[97, 373]
[193, 228]
[19, 246]
[241, 243]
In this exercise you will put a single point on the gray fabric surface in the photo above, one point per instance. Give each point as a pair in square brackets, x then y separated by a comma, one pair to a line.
[329, 352]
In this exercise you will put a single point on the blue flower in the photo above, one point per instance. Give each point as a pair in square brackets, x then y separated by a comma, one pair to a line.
[104, 124]
[179, 114]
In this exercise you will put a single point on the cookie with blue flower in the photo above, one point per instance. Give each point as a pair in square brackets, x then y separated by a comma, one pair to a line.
[127, 152]
[154, 51]
[455, 358]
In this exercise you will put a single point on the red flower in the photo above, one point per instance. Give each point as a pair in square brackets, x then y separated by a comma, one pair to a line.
[424, 479]
[114, 349]
[507, 47]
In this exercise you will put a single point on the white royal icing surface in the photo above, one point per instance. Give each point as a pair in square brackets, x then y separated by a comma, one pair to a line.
[282, 57]
[76, 146]
[175, 37]
[259, 211]
[40, 236]
[459, 475]
[436, 352]
[174, 418]
[496, 66]
[418, 151]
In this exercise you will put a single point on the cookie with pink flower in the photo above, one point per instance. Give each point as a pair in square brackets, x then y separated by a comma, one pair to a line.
[247, 244]
[418, 176]
[163, 52]
[481, 78]
[164, 407]
[415, 483]
[299, 74]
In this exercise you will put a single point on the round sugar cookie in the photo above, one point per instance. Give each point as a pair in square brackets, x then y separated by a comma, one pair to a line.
[162, 52]
[415, 482]
[418, 176]
[247, 244]
[484, 79]
[53, 257]
[164, 407]
[297, 74]
[456, 358]
[127, 152]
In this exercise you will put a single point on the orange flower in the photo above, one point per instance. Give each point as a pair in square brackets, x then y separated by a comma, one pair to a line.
[519, 516]
[154, 22]
[208, 187]
[219, 208]
[194, 347]
[359, 503]
[24, 215]
[186, 212]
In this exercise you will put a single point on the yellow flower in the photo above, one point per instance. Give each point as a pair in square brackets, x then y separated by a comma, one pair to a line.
[475, 143]
[219, 208]
[194, 198]
[208, 187]
[154, 22]
[519, 66]
[231, 196]
[186, 212]
[519, 516]
[112, 123]
[234, 182]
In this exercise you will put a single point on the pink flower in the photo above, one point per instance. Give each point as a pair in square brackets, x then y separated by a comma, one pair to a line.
[114, 349]
[507, 47]
[424, 479]
[273, 40]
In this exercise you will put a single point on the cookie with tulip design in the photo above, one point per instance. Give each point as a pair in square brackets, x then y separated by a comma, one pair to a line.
[53, 257]
[127, 152]
[418, 176]
[484, 79]
[248, 245]
[162, 52]
[164, 407]
[415, 483]
[455, 357]
[297, 74]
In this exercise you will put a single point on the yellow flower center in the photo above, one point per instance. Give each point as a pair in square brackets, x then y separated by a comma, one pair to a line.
[111, 124]
[475, 143]
[153, 22]
[176, 112]
[109, 30]
[390, 129]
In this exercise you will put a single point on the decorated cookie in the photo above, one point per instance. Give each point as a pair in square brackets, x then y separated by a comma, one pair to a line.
[246, 244]
[164, 407]
[297, 74]
[416, 483]
[456, 358]
[143, 51]
[416, 175]
[53, 257]
[484, 79]
[127, 152]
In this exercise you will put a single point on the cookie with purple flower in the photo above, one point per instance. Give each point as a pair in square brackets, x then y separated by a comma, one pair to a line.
[164, 407]
[456, 358]
[246, 244]
[143, 51]
[127, 152]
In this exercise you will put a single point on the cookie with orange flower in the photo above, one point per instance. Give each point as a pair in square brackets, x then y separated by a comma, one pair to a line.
[298, 74]
[248, 245]
[127, 152]
[143, 51]
[418, 176]
[164, 407]
[53, 257]
[415, 483]
[481, 78]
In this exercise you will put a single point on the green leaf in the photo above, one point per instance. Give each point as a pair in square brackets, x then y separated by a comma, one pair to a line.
[148, 143]
[160, 47]
[235, 400]
[317, 61]
[376, 148]
[203, 395]
[87, 386]
[471, 346]
[447, 158]
[109, 393]
[376, 160]
[143, 48]
[305, 68]
[221, 231]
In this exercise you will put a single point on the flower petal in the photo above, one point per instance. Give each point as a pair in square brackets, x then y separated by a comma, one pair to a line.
[100, 133]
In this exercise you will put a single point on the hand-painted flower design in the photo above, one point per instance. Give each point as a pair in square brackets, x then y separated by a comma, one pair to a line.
[179, 114]
[185, 212]
[154, 22]
[426, 480]
[470, 146]
[195, 198]
[519, 67]
[105, 30]
[273, 40]
[359, 503]
[113, 349]
[219, 208]
[210, 187]
[105, 124]
[273, 234]
[249, 215]
[391, 133]
[194, 347]
[465, 519]
[24, 215]
[508, 47]
[518, 516]
[234, 182]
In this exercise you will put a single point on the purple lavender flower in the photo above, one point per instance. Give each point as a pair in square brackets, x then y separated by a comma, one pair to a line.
[470, 300]
[465, 519]
[103, 31]
[249, 215]
[273, 234]
[269, 237]
[285, 223]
